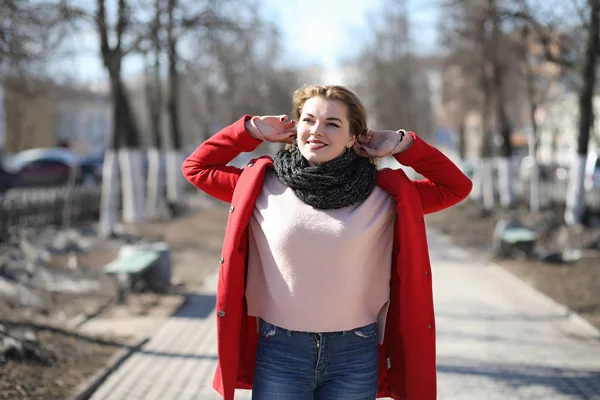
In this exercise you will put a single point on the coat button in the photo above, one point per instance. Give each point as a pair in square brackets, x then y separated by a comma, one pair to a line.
[231, 209]
[429, 326]
[221, 314]
[221, 260]
[420, 220]
[426, 272]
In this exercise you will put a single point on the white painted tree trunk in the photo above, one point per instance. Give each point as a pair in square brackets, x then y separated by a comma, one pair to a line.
[575, 202]
[175, 179]
[132, 178]
[477, 191]
[534, 188]
[155, 203]
[505, 182]
[109, 202]
[487, 171]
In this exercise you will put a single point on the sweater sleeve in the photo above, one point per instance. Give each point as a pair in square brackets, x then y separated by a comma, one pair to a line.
[444, 184]
[207, 169]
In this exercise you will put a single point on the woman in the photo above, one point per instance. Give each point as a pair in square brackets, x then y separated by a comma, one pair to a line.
[324, 288]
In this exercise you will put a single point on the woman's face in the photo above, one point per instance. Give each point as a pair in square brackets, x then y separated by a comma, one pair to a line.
[323, 130]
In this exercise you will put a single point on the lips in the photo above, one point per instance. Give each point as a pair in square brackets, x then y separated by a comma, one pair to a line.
[316, 144]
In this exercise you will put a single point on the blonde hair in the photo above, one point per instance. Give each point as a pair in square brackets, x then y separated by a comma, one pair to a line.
[357, 114]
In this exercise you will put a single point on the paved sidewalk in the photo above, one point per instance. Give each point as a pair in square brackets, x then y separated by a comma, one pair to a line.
[497, 339]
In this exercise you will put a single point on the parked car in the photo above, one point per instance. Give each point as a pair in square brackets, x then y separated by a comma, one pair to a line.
[5, 179]
[91, 168]
[43, 167]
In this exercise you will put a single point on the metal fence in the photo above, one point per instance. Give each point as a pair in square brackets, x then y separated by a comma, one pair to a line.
[39, 207]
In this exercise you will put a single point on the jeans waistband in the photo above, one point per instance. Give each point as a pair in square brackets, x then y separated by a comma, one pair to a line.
[266, 327]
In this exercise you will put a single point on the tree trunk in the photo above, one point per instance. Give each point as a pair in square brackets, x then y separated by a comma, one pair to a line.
[173, 80]
[126, 133]
[575, 205]
[503, 123]
[462, 139]
[151, 104]
[486, 169]
[534, 173]
[175, 180]
[158, 97]
[109, 199]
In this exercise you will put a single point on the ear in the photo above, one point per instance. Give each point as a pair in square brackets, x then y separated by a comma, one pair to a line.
[351, 142]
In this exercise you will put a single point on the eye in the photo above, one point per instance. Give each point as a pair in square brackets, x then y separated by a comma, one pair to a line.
[307, 120]
[333, 124]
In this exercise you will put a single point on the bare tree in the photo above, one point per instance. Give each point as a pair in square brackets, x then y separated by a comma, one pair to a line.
[125, 130]
[154, 91]
[396, 86]
[31, 31]
[575, 205]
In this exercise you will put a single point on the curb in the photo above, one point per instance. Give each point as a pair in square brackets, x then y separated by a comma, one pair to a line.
[85, 390]
[571, 315]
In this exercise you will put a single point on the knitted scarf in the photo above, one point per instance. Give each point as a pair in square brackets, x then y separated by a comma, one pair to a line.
[341, 182]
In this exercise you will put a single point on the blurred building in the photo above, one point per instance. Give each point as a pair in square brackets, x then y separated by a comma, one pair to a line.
[555, 94]
[40, 113]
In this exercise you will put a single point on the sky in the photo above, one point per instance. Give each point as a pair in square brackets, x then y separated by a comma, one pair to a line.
[314, 32]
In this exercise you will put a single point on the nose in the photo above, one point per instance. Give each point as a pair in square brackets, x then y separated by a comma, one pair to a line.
[315, 129]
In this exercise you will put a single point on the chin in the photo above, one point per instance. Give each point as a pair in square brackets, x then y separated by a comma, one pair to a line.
[316, 158]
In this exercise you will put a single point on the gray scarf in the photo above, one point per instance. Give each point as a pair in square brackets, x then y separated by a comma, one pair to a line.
[341, 182]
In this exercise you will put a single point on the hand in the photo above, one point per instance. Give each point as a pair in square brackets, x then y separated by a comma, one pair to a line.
[272, 128]
[381, 143]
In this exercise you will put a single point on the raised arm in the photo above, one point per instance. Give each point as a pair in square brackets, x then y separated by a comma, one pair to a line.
[444, 184]
[207, 169]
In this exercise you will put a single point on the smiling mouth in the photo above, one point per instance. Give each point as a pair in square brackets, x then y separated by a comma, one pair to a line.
[316, 145]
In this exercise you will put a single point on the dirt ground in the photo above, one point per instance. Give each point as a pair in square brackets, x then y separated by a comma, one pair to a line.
[195, 240]
[575, 284]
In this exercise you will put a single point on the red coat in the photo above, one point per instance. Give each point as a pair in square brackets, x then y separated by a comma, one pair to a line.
[407, 360]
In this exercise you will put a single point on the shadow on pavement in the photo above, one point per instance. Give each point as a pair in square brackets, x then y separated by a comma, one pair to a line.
[502, 317]
[196, 306]
[568, 381]
[185, 356]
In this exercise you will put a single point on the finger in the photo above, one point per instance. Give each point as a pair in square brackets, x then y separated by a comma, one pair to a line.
[289, 124]
[289, 133]
[363, 139]
[369, 151]
[358, 149]
[283, 117]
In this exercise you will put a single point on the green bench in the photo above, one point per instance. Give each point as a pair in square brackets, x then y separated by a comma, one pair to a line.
[518, 234]
[513, 239]
[129, 268]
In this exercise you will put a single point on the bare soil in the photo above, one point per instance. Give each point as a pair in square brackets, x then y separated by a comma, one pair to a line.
[195, 239]
[575, 284]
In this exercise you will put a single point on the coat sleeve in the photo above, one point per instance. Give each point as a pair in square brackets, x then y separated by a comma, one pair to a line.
[207, 169]
[444, 184]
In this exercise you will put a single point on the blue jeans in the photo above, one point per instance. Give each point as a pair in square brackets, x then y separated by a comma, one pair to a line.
[293, 365]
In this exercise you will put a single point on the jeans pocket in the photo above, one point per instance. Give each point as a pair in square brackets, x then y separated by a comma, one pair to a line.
[366, 332]
[266, 329]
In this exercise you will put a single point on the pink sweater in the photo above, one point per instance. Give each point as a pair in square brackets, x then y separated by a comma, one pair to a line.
[319, 270]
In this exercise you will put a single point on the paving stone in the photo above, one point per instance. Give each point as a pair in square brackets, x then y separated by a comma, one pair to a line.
[497, 339]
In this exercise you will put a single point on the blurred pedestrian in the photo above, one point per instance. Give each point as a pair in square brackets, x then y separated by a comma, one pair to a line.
[324, 288]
